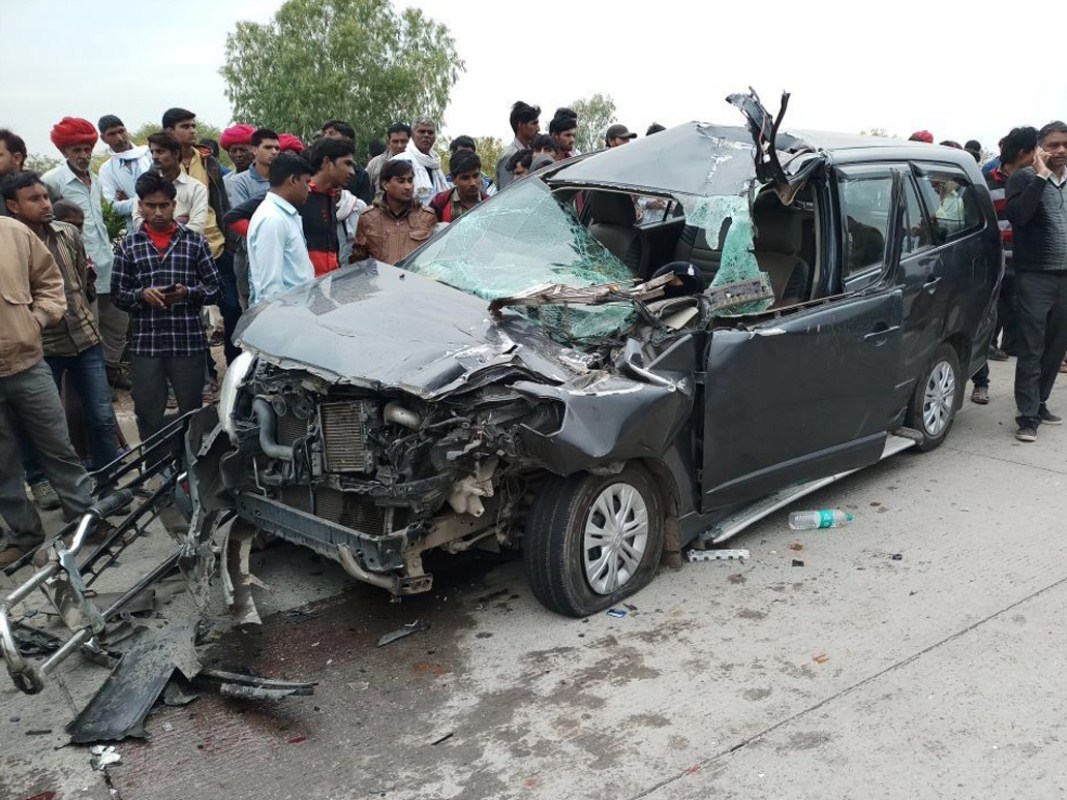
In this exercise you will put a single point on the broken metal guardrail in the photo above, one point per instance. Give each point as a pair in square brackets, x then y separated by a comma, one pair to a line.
[64, 582]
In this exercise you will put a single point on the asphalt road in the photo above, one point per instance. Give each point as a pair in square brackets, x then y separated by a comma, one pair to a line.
[856, 674]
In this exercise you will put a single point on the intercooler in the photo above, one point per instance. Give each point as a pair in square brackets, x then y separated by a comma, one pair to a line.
[344, 429]
[344, 434]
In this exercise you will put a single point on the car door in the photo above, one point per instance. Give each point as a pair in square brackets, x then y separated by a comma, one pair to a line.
[926, 286]
[809, 394]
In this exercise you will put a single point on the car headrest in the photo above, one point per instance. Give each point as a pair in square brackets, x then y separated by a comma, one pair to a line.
[777, 230]
[612, 207]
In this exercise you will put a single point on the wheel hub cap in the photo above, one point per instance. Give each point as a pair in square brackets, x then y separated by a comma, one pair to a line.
[938, 399]
[616, 535]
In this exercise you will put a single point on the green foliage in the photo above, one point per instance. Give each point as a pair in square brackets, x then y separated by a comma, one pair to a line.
[35, 162]
[357, 60]
[595, 114]
[114, 222]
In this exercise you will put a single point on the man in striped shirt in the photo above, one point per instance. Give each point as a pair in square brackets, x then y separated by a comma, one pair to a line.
[1016, 152]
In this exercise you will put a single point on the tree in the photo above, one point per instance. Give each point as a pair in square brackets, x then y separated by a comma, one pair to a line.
[356, 60]
[595, 114]
[35, 162]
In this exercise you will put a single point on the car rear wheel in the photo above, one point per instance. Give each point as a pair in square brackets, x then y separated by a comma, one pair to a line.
[936, 398]
[592, 540]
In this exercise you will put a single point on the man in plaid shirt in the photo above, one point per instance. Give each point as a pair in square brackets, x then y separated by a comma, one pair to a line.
[163, 275]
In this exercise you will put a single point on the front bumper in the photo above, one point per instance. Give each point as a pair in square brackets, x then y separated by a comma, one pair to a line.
[374, 559]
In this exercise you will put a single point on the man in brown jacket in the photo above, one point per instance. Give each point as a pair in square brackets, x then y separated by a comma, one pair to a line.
[31, 299]
[397, 223]
[72, 346]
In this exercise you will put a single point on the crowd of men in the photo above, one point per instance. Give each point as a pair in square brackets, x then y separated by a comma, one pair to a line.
[75, 305]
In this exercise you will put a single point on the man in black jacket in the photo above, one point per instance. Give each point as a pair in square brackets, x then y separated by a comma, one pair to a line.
[1037, 211]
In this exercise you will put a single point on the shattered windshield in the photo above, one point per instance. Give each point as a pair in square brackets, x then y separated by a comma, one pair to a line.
[524, 238]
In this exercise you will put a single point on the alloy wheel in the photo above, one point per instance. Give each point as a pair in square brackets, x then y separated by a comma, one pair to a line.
[616, 535]
[938, 398]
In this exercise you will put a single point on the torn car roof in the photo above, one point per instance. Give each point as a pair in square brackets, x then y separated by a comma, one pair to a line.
[698, 158]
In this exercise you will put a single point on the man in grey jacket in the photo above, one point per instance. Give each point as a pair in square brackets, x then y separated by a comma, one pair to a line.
[1037, 211]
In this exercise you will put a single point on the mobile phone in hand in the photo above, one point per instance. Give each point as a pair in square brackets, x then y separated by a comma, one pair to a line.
[169, 289]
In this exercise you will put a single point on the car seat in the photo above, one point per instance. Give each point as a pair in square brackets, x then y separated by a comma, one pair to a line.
[613, 221]
[693, 247]
[777, 244]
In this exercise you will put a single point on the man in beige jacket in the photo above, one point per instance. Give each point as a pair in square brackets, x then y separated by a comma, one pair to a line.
[31, 298]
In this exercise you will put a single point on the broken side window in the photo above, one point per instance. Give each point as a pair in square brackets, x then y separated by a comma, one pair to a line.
[726, 223]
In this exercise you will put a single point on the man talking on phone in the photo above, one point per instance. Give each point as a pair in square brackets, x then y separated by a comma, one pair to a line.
[1036, 208]
[163, 275]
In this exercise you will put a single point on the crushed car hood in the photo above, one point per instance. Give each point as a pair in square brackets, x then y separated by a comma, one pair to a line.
[380, 327]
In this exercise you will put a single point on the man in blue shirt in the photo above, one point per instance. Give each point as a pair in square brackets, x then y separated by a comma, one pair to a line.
[277, 251]
[254, 182]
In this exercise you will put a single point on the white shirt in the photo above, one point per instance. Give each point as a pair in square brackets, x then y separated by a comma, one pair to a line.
[191, 201]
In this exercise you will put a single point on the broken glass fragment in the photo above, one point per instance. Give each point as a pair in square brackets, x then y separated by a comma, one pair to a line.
[727, 224]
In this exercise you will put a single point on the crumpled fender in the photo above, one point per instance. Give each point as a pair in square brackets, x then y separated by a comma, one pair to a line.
[607, 418]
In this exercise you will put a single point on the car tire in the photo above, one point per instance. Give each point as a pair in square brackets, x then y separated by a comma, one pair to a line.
[936, 398]
[569, 572]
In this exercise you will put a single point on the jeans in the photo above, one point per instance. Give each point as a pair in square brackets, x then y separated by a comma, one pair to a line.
[1041, 330]
[89, 375]
[112, 323]
[30, 400]
[229, 304]
[149, 376]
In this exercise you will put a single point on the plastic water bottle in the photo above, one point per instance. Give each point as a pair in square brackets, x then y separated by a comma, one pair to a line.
[827, 518]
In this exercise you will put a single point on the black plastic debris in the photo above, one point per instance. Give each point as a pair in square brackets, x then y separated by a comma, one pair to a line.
[415, 627]
[797, 562]
[251, 687]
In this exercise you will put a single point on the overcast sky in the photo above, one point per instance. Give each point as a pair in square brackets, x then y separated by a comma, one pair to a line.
[900, 65]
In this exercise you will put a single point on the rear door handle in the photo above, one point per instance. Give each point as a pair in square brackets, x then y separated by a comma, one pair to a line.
[881, 330]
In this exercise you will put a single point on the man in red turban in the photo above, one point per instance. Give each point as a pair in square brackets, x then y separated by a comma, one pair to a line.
[71, 131]
[237, 141]
[74, 181]
[289, 142]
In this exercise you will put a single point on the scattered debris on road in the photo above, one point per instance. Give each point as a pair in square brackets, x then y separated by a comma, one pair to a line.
[415, 627]
[101, 756]
[797, 562]
[618, 613]
[717, 555]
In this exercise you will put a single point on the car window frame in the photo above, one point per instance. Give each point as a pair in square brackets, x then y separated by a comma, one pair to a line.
[918, 168]
[874, 273]
[910, 180]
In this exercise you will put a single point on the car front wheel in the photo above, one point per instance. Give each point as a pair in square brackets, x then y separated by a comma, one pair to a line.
[936, 398]
[592, 540]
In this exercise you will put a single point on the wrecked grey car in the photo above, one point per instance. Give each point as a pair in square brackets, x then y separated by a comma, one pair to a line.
[614, 358]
